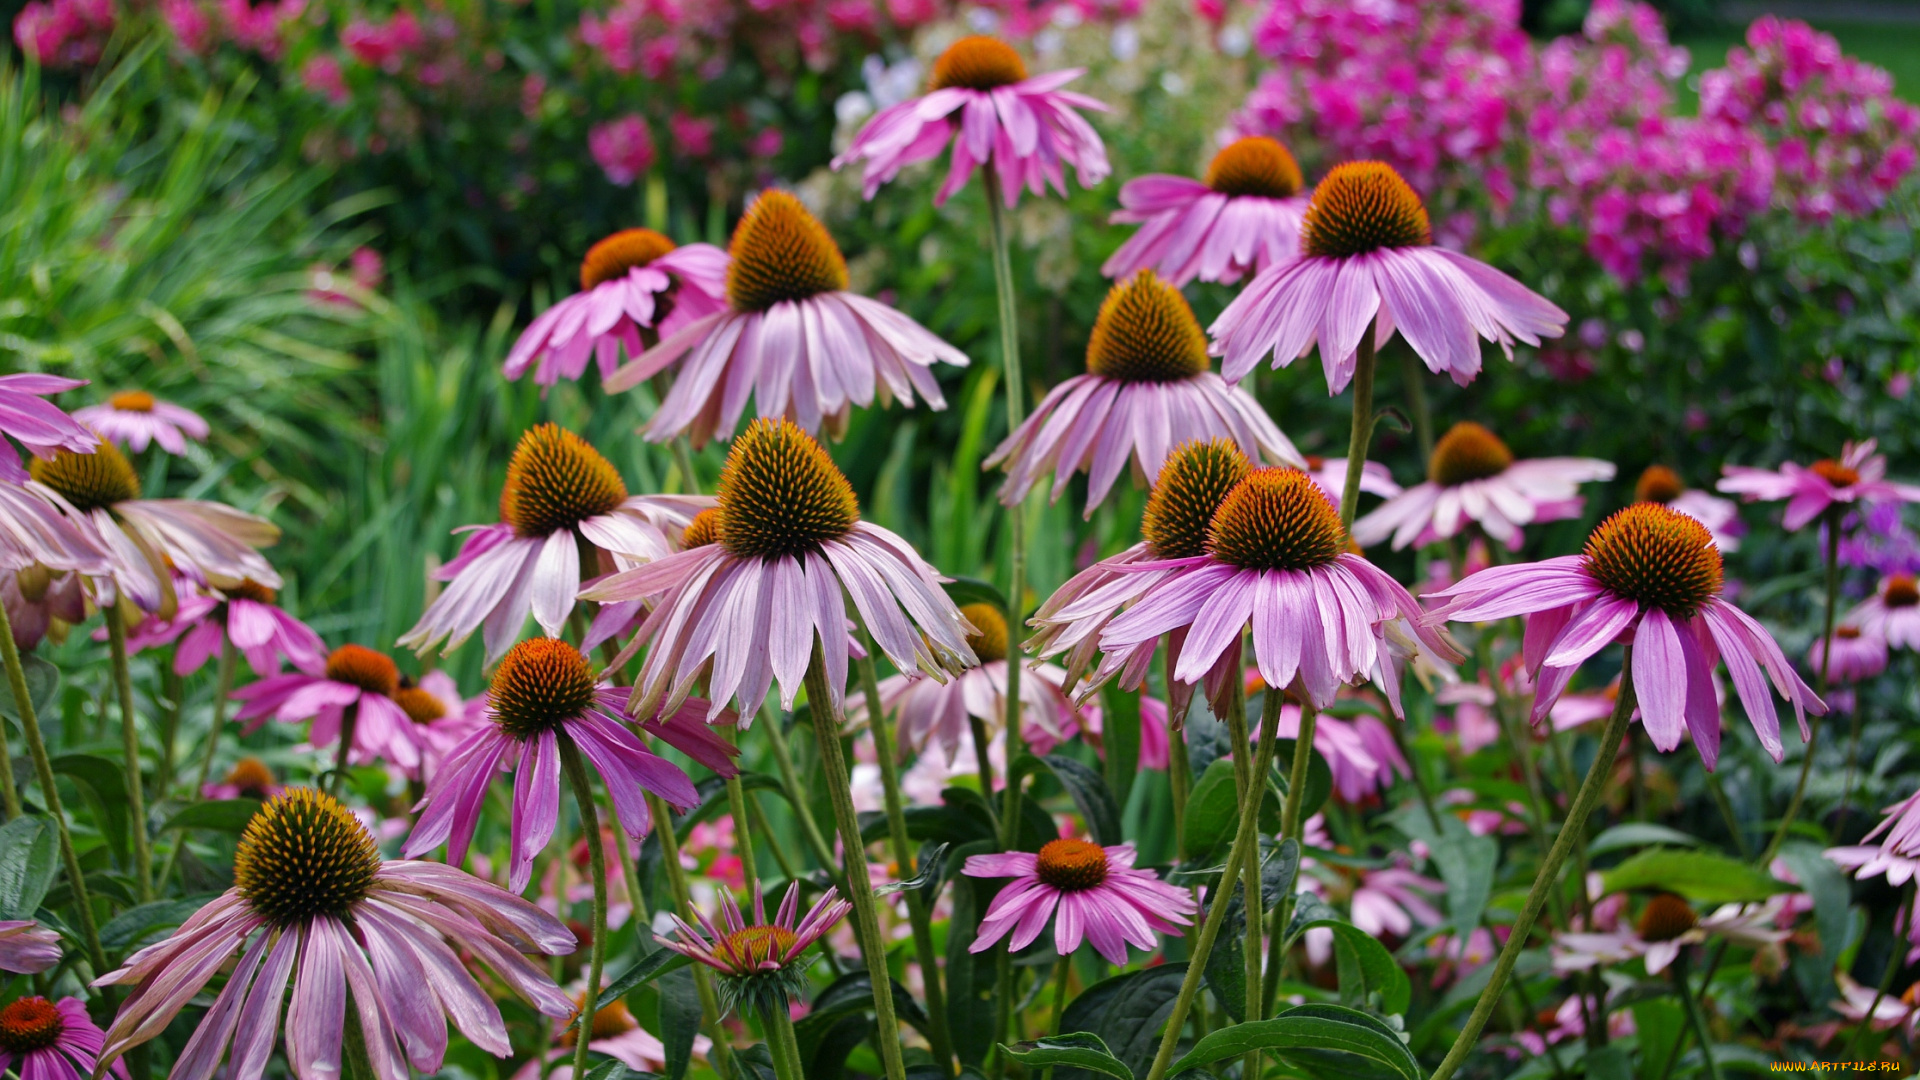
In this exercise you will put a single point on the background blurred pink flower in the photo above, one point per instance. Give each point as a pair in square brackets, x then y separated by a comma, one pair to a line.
[622, 148]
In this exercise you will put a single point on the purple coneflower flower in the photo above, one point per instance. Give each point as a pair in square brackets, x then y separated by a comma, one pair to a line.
[1093, 893]
[1331, 475]
[1148, 388]
[1367, 257]
[1721, 517]
[134, 418]
[756, 960]
[1859, 476]
[632, 283]
[357, 678]
[1653, 573]
[36, 530]
[981, 99]
[250, 778]
[791, 336]
[244, 613]
[615, 1034]
[562, 497]
[46, 1040]
[1473, 477]
[27, 948]
[1667, 925]
[1892, 612]
[1857, 655]
[313, 905]
[1242, 218]
[39, 425]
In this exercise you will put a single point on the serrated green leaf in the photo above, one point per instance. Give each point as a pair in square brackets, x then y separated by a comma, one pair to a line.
[1701, 876]
[1082, 1050]
[1312, 1032]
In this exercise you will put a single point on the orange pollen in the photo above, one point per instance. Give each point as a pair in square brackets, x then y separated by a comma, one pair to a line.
[1656, 557]
[1912, 994]
[990, 643]
[756, 945]
[1146, 332]
[704, 529]
[420, 706]
[555, 480]
[1276, 519]
[1666, 917]
[251, 777]
[1835, 473]
[1257, 166]
[541, 683]
[781, 252]
[1901, 591]
[29, 1024]
[613, 257]
[1195, 478]
[357, 665]
[1468, 451]
[1363, 206]
[610, 1020]
[1071, 865]
[131, 401]
[1658, 484]
[978, 62]
[249, 589]
[1846, 633]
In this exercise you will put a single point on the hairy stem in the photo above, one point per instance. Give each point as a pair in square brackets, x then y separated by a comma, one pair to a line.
[683, 903]
[783, 1046]
[130, 746]
[576, 772]
[790, 776]
[1696, 1018]
[1362, 434]
[1826, 662]
[223, 685]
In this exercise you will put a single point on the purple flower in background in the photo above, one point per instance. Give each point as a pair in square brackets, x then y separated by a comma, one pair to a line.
[27, 948]
[1858, 476]
[622, 148]
[46, 1040]
[1474, 479]
[1093, 893]
[135, 418]
[1243, 217]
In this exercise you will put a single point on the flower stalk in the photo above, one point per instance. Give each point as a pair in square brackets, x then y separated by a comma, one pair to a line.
[576, 771]
[782, 1045]
[683, 901]
[130, 746]
[229, 659]
[1362, 433]
[1826, 660]
[1016, 515]
[1696, 1019]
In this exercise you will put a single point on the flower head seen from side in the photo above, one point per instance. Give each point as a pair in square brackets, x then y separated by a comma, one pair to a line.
[26, 947]
[1093, 893]
[1148, 388]
[250, 778]
[136, 419]
[39, 425]
[247, 615]
[1857, 654]
[1892, 613]
[1473, 478]
[1858, 476]
[1367, 258]
[51, 1040]
[787, 547]
[315, 907]
[1660, 484]
[1242, 217]
[354, 677]
[1024, 129]
[791, 336]
[565, 517]
[1651, 575]
[633, 283]
[758, 962]
[1331, 475]
[614, 1033]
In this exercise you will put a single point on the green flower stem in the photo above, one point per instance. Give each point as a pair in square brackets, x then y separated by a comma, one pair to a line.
[742, 835]
[1251, 797]
[169, 726]
[1016, 515]
[1572, 832]
[1060, 971]
[1264, 988]
[789, 776]
[349, 720]
[782, 1045]
[1680, 1037]
[683, 903]
[1415, 374]
[866, 923]
[1696, 1019]
[1290, 823]
[229, 665]
[1826, 661]
[17, 678]
[1362, 435]
[779, 852]
[629, 874]
[1179, 772]
[1245, 846]
[576, 771]
[130, 744]
[50, 794]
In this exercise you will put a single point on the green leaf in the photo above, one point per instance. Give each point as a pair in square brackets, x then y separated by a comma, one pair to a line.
[1365, 966]
[1082, 1050]
[1127, 1012]
[753, 1063]
[1090, 794]
[225, 815]
[679, 1019]
[1832, 897]
[127, 928]
[1278, 872]
[615, 1070]
[1213, 809]
[962, 818]
[1309, 1033]
[1697, 875]
[1226, 971]
[966, 590]
[103, 784]
[1120, 739]
[713, 798]
[931, 864]
[970, 976]
[1466, 863]
[43, 681]
[648, 968]
[1658, 1022]
[29, 860]
[1636, 834]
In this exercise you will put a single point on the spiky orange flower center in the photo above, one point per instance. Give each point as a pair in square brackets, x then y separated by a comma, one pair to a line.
[1276, 519]
[1255, 165]
[1658, 484]
[704, 529]
[1835, 473]
[780, 494]
[1071, 865]
[1363, 206]
[780, 251]
[302, 856]
[1466, 452]
[1196, 477]
[610, 1020]
[978, 62]
[1902, 591]
[131, 401]
[420, 706]
[613, 257]
[251, 777]
[1145, 332]
[1666, 917]
[357, 665]
[29, 1024]
[756, 945]
[1656, 557]
[249, 589]
[541, 683]
[990, 643]
[89, 481]
[555, 480]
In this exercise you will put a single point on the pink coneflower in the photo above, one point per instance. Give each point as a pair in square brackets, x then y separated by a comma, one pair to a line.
[1242, 218]
[41, 426]
[245, 614]
[354, 678]
[1857, 654]
[745, 610]
[1892, 612]
[45, 1040]
[1655, 573]
[135, 418]
[1367, 258]
[38, 531]
[1392, 899]
[1473, 477]
[561, 497]
[1094, 893]
[615, 1034]
[757, 960]
[1859, 476]
[1331, 475]
[1155, 747]
[791, 337]
[1148, 389]
[314, 905]
[981, 99]
[632, 283]
[542, 692]
[1721, 517]
[1667, 925]
[27, 948]
[250, 778]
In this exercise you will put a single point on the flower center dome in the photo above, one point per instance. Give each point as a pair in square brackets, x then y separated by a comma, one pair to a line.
[780, 251]
[1363, 206]
[1468, 451]
[357, 665]
[978, 62]
[609, 1021]
[1658, 484]
[555, 480]
[1195, 478]
[704, 529]
[1835, 473]
[131, 401]
[89, 481]
[1655, 557]
[249, 589]
[302, 856]
[1276, 519]
[420, 706]
[1145, 332]
[29, 1024]
[1666, 917]
[251, 778]
[990, 642]
[1902, 591]
[755, 945]
[1846, 633]
[613, 257]
[780, 494]
[541, 683]
[1257, 166]
[1071, 865]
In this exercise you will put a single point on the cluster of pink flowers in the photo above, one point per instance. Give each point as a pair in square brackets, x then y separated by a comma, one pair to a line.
[64, 33]
[200, 25]
[622, 148]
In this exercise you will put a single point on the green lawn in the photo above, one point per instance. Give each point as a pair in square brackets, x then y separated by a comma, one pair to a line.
[1894, 47]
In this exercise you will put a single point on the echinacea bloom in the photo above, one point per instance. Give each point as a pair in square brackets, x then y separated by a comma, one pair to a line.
[633, 283]
[245, 613]
[1651, 575]
[1390, 900]
[1243, 217]
[135, 418]
[757, 961]
[562, 498]
[1859, 476]
[354, 678]
[1023, 129]
[40, 426]
[545, 691]
[1892, 612]
[1093, 893]
[47, 1040]
[37, 531]
[1473, 478]
[1148, 388]
[27, 948]
[1331, 475]
[745, 610]
[791, 336]
[314, 905]
[615, 1034]
[1721, 517]
[1857, 655]
[1367, 260]
[250, 778]
[1668, 924]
